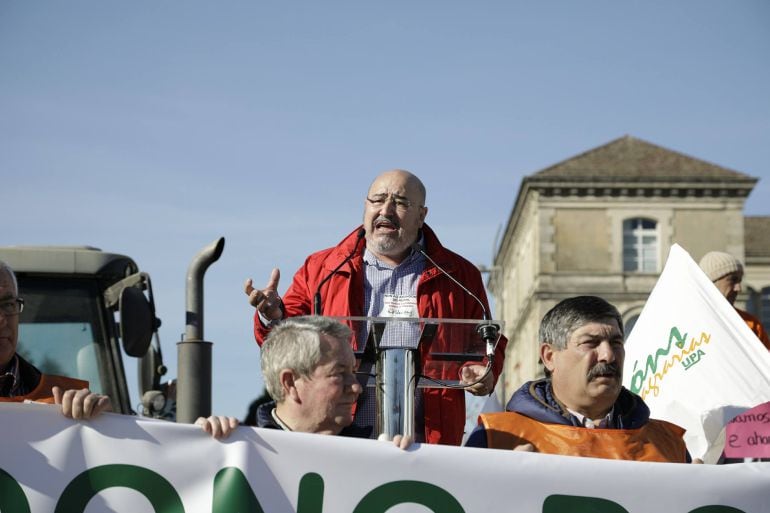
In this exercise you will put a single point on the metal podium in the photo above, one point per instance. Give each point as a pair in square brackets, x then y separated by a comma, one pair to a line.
[398, 355]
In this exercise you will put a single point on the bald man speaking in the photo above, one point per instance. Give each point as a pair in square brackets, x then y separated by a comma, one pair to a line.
[388, 270]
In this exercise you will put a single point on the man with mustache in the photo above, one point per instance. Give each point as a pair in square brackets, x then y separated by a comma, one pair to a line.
[581, 407]
[387, 277]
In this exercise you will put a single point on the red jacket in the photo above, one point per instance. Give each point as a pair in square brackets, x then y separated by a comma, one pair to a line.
[437, 297]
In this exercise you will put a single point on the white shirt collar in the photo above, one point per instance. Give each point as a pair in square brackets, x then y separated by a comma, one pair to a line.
[278, 421]
[590, 424]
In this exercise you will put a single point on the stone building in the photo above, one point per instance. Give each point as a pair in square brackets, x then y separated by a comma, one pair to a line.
[602, 222]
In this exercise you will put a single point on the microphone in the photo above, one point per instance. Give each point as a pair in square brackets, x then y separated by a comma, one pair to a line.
[317, 297]
[487, 330]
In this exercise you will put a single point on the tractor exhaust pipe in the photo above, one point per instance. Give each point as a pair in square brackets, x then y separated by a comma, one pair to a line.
[193, 353]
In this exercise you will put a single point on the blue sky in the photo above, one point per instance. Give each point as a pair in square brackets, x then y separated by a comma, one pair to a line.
[152, 128]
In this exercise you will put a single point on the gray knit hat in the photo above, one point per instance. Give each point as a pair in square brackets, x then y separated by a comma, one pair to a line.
[717, 264]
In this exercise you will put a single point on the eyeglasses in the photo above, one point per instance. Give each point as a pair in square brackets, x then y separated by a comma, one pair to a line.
[12, 307]
[402, 204]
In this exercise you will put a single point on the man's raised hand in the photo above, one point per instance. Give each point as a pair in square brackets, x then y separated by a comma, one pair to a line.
[266, 300]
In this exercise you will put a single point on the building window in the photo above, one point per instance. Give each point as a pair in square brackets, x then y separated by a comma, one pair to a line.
[640, 245]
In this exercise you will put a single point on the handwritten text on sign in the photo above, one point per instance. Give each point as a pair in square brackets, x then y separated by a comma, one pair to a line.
[748, 434]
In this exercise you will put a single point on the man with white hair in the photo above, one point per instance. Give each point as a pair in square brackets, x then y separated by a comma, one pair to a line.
[726, 273]
[308, 368]
[20, 380]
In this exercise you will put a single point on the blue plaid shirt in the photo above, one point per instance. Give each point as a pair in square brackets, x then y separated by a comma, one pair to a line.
[381, 279]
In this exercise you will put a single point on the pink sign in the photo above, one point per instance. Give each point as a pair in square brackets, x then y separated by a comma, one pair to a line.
[748, 434]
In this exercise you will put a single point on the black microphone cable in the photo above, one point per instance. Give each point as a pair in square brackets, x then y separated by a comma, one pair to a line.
[489, 331]
[317, 297]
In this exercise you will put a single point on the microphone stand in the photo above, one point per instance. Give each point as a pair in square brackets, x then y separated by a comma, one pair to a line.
[396, 370]
[489, 332]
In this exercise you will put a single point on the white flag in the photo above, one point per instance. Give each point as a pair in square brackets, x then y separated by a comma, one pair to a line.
[692, 358]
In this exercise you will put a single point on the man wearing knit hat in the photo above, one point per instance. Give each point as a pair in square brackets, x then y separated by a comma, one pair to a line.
[726, 272]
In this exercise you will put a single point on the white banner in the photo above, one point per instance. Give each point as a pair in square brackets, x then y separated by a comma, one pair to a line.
[693, 359]
[124, 464]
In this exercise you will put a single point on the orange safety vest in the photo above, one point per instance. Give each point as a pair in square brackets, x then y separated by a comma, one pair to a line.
[43, 392]
[657, 440]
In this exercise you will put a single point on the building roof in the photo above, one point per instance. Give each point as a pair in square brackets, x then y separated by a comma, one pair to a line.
[630, 159]
[635, 168]
[756, 232]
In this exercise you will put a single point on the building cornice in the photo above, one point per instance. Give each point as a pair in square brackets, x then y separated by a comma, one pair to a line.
[618, 188]
[647, 189]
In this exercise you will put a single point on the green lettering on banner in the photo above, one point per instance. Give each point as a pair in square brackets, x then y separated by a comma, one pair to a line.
[12, 498]
[717, 509]
[233, 493]
[639, 377]
[384, 497]
[579, 504]
[152, 485]
[311, 494]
